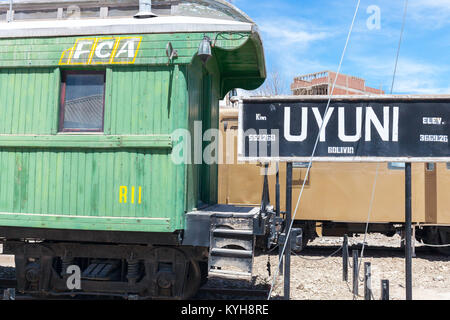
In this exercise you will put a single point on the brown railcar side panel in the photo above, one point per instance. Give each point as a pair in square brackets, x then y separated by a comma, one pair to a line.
[430, 192]
[443, 193]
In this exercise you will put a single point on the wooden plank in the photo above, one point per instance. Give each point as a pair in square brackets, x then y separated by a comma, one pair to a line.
[59, 221]
[86, 141]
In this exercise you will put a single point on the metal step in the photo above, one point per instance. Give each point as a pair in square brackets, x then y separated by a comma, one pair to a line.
[234, 223]
[226, 241]
[229, 274]
[232, 253]
[233, 232]
[231, 244]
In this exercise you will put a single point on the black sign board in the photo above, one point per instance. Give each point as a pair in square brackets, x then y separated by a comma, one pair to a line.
[355, 128]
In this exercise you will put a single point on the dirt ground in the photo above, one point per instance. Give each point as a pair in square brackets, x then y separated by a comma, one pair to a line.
[321, 279]
[316, 277]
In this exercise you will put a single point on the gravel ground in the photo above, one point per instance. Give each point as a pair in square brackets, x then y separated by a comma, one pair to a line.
[316, 278]
[321, 279]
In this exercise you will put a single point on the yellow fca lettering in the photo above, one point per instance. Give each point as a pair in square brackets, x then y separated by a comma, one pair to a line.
[107, 50]
[83, 51]
[128, 48]
[123, 190]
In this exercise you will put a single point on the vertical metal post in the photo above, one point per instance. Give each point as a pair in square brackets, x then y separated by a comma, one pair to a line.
[384, 289]
[10, 13]
[355, 272]
[408, 227]
[281, 259]
[265, 200]
[287, 252]
[277, 191]
[277, 210]
[345, 259]
[367, 281]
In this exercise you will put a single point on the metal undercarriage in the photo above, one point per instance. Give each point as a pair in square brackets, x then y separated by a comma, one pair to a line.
[217, 240]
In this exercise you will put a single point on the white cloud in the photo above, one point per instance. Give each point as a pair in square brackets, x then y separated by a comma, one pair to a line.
[288, 44]
[291, 33]
[412, 76]
[430, 14]
[438, 4]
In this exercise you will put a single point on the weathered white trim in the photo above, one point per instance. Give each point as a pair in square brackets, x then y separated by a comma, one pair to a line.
[220, 5]
[172, 24]
[368, 97]
[75, 216]
[241, 158]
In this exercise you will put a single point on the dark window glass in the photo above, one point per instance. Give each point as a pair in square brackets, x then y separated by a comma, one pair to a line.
[82, 100]
[448, 165]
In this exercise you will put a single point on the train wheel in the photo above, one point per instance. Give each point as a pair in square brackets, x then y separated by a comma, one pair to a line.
[444, 239]
[305, 241]
[204, 271]
[193, 280]
[437, 236]
[308, 234]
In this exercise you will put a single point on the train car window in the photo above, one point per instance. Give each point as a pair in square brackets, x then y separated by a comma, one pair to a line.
[396, 165]
[448, 165]
[82, 101]
[430, 166]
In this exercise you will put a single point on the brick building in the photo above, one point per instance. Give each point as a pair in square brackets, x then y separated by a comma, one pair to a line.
[320, 83]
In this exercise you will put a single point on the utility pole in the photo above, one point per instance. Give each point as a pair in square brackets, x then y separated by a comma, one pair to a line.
[408, 227]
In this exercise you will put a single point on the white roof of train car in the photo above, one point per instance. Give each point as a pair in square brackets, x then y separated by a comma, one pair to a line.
[200, 16]
[170, 24]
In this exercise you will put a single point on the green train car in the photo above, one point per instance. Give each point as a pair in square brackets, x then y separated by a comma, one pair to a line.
[90, 98]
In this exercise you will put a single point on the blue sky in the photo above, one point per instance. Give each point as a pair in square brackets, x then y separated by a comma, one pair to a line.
[308, 36]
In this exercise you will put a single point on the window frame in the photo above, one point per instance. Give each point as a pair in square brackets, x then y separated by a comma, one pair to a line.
[62, 102]
[300, 165]
[394, 165]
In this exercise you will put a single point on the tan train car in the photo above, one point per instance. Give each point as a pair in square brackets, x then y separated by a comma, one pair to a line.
[337, 196]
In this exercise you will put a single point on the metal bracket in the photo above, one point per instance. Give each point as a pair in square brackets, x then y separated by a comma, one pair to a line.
[171, 53]
[295, 239]
[9, 15]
